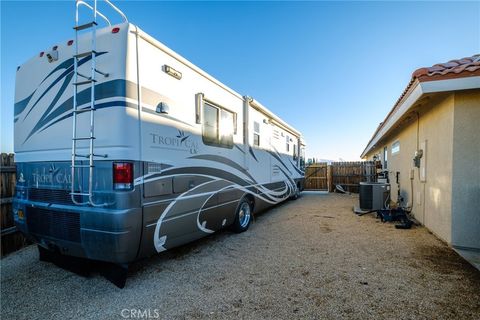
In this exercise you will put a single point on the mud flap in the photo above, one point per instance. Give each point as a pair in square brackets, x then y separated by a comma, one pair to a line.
[115, 273]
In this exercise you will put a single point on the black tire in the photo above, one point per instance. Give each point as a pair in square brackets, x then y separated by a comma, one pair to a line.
[296, 195]
[243, 216]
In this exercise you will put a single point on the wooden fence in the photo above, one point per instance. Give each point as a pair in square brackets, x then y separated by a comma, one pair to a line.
[350, 174]
[11, 239]
[323, 176]
[316, 176]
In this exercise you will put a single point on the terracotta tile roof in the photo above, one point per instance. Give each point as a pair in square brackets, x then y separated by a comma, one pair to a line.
[461, 68]
[466, 67]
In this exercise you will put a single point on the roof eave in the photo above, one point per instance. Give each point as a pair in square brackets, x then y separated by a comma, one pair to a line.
[417, 90]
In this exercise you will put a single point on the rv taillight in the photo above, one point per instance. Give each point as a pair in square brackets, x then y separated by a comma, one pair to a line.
[70, 42]
[41, 54]
[115, 30]
[122, 175]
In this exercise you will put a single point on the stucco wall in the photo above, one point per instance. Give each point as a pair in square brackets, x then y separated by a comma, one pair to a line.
[431, 199]
[466, 170]
[436, 127]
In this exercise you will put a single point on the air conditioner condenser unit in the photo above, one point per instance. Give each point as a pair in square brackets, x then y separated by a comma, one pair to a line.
[374, 195]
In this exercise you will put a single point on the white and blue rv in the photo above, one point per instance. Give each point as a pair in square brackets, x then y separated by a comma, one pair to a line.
[125, 149]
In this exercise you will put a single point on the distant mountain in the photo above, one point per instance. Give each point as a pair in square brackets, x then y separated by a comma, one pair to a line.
[320, 160]
[325, 160]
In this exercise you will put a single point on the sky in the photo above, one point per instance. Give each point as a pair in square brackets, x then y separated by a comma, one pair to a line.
[332, 70]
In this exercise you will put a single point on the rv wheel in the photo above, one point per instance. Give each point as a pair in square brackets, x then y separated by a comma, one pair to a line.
[296, 195]
[243, 216]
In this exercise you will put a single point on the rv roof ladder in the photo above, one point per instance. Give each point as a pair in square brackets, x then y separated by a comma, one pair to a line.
[88, 80]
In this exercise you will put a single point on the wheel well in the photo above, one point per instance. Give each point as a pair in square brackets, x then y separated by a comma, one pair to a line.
[251, 199]
[300, 185]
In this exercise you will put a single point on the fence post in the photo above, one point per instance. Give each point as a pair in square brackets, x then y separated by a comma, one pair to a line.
[11, 240]
[329, 178]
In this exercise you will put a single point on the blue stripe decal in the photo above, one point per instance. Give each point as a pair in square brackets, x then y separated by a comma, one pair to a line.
[64, 65]
[296, 169]
[251, 152]
[236, 146]
[114, 88]
[52, 104]
[104, 105]
[21, 105]
[287, 175]
[68, 65]
[225, 161]
[54, 101]
[279, 160]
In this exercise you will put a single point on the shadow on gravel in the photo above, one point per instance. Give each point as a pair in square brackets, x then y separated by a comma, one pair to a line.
[118, 274]
[187, 250]
[442, 260]
[184, 251]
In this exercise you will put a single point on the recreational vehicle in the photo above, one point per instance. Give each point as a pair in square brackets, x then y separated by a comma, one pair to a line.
[125, 149]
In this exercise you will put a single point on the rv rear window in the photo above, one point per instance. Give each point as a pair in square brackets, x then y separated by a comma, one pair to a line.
[218, 126]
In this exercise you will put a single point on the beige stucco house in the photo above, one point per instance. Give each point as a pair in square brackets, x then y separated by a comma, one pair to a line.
[437, 116]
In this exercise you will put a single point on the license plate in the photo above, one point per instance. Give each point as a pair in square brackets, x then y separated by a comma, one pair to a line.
[20, 214]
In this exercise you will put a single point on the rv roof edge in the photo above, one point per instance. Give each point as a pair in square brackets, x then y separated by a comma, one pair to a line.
[270, 114]
[145, 36]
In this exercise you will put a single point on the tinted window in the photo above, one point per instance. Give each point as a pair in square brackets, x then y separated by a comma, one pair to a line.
[226, 128]
[256, 140]
[256, 134]
[218, 126]
[210, 124]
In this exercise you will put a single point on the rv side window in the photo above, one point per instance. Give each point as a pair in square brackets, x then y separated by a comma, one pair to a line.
[210, 124]
[226, 128]
[218, 126]
[256, 134]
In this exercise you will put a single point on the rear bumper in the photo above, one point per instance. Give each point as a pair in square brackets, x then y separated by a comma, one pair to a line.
[95, 233]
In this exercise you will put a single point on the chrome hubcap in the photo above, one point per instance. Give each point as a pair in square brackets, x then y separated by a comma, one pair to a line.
[244, 214]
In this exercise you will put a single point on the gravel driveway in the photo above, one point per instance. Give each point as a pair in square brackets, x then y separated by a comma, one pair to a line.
[309, 259]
